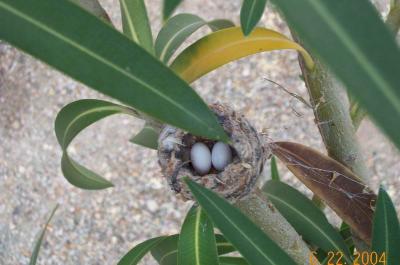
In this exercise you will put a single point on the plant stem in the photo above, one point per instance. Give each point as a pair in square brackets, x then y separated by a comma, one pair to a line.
[262, 212]
[333, 118]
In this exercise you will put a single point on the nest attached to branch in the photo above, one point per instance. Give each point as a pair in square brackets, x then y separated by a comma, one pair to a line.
[238, 179]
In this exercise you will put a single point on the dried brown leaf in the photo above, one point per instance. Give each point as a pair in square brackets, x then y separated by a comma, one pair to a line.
[337, 185]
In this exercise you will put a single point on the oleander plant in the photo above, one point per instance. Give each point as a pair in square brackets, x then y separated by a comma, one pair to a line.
[210, 153]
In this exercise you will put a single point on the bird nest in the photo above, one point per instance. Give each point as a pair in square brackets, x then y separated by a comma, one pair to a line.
[237, 179]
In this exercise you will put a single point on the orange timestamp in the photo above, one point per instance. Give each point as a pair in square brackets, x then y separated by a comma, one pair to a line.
[359, 258]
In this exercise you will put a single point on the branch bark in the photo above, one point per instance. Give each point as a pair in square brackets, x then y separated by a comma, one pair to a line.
[262, 212]
[333, 118]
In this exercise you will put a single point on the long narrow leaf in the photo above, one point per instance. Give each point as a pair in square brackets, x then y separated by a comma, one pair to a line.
[386, 229]
[345, 232]
[38, 244]
[354, 42]
[305, 217]
[135, 23]
[218, 24]
[138, 252]
[147, 137]
[274, 169]
[177, 29]
[71, 120]
[166, 251]
[250, 13]
[169, 7]
[197, 244]
[255, 246]
[227, 45]
[99, 56]
[232, 261]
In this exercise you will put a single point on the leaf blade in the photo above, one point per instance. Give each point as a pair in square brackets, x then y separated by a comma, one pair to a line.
[174, 33]
[274, 169]
[357, 46]
[178, 28]
[169, 7]
[197, 243]
[165, 253]
[305, 217]
[135, 23]
[218, 24]
[226, 45]
[386, 229]
[116, 67]
[147, 137]
[248, 239]
[139, 251]
[36, 249]
[250, 13]
[345, 232]
[70, 121]
[232, 261]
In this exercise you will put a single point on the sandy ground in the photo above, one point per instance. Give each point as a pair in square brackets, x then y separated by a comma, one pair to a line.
[98, 227]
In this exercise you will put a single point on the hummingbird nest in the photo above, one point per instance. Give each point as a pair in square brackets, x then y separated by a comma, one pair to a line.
[237, 179]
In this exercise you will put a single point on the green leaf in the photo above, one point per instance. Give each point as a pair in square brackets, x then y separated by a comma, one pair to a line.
[70, 121]
[105, 60]
[274, 169]
[135, 23]
[94, 7]
[36, 249]
[227, 45]
[197, 245]
[232, 261]
[147, 137]
[177, 29]
[166, 252]
[320, 255]
[386, 229]
[139, 251]
[308, 220]
[345, 232]
[350, 37]
[169, 7]
[250, 13]
[255, 246]
[218, 24]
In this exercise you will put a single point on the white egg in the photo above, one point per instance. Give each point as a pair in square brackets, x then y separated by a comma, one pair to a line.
[221, 155]
[200, 156]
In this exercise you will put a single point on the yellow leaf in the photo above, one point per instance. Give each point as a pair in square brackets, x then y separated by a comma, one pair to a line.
[227, 45]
